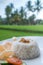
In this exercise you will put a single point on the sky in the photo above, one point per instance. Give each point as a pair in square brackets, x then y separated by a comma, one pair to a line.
[17, 5]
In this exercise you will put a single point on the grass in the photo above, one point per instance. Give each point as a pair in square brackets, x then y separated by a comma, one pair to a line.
[5, 34]
[24, 27]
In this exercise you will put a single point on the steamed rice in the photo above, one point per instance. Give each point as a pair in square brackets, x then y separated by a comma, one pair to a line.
[26, 51]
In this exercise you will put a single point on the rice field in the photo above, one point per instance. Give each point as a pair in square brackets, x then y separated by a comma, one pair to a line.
[24, 27]
[5, 34]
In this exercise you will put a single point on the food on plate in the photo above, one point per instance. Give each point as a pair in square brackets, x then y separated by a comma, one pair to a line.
[14, 61]
[7, 45]
[6, 54]
[6, 50]
[1, 48]
[21, 49]
[14, 38]
[24, 40]
[26, 50]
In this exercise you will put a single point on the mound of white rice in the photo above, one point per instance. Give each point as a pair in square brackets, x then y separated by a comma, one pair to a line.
[26, 50]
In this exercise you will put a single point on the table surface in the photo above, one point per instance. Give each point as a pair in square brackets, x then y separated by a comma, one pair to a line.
[36, 61]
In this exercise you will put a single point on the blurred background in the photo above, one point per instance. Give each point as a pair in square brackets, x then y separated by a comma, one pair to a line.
[21, 18]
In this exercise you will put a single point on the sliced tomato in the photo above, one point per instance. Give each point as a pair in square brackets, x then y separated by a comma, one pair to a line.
[15, 61]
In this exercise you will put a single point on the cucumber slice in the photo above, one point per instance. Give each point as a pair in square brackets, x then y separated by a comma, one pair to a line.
[6, 63]
[11, 64]
[3, 61]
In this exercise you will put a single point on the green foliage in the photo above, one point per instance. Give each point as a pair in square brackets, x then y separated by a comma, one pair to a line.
[31, 19]
[8, 11]
[20, 17]
[0, 20]
[22, 12]
[11, 5]
[16, 16]
[29, 5]
[38, 5]
[25, 15]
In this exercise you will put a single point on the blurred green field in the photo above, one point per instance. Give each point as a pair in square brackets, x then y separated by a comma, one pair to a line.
[5, 34]
[24, 27]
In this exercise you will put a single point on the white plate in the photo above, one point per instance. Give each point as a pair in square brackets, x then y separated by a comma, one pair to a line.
[39, 60]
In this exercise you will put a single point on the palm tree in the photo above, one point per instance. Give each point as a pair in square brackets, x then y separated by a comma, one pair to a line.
[22, 12]
[16, 16]
[11, 5]
[0, 20]
[16, 12]
[38, 5]
[31, 19]
[8, 11]
[25, 15]
[30, 6]
[22, 15]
